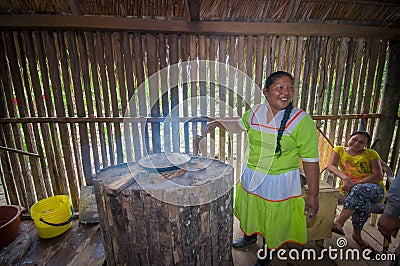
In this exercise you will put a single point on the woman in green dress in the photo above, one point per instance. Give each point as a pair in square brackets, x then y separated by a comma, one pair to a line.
[269, 200]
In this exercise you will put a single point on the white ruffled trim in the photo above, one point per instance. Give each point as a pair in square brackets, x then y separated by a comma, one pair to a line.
[272, 187]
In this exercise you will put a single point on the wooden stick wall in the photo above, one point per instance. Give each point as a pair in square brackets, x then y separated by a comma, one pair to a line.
[94, 75]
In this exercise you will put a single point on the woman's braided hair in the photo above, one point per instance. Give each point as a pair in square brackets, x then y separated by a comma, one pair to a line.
[270, 80]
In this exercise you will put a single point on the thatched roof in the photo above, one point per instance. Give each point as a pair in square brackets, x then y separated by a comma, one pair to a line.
[384, 13]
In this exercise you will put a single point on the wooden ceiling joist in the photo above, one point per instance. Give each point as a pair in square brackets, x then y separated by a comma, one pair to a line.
[192, 10]
[74, 6]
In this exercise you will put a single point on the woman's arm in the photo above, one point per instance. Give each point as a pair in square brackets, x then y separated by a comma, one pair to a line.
[376, 175]
[334, 169]
[333, 166]
[232, 126]
[311, 171]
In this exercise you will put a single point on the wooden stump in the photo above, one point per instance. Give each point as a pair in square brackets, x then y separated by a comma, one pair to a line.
[148, 218]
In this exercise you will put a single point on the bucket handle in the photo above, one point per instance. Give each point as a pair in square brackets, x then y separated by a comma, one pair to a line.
[61, 224]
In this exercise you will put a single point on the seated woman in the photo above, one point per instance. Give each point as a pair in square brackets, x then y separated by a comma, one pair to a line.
[360, 171]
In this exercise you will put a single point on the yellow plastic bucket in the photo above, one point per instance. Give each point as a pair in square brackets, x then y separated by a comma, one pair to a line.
[53, 215]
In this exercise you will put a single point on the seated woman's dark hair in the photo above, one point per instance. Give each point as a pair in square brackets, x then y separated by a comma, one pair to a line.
[364, 133]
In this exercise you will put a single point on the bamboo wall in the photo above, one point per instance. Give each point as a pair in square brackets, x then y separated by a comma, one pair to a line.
[74, 98]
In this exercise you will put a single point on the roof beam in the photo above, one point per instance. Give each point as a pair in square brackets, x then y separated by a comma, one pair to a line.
[198, 27]
[192, 10]
[74, 6]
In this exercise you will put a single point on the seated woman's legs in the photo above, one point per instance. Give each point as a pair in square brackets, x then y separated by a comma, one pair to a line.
[358, 205]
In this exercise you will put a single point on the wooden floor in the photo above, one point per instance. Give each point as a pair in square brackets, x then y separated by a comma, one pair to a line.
[82, 245]
[247, 256]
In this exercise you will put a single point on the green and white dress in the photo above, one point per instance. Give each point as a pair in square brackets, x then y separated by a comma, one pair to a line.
[269, 199]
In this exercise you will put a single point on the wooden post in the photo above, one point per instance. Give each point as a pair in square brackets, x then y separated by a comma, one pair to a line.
[148, 218]
[390, 101]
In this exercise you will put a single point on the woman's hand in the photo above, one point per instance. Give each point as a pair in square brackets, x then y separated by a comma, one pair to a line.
[348, 184]
[312, 206]
[388, 226]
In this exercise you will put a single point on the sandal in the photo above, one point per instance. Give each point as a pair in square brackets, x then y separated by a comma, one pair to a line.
[337, 230]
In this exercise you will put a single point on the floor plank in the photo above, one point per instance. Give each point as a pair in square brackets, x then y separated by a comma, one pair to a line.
[80, 245]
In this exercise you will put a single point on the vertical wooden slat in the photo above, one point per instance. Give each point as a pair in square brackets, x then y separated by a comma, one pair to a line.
[372, 64]
[193, 87]
[100, 55]
[346, 88]
[273, 65]
[332, 63]
[110, 63]
[132, 93]
[338, 84]
[84, 62]
[212, 57]
[142, 91]
[185, 88]
[231, 91]
[355, 85]
[34, 180]
[291, 54]
[41, 111]
[118, 41]
[174, 59]
[60, 109]
[249, 70]
[321, 89]
[222, 93]
[361, 81]
[50, 112]
[259, 57]
[378, 81]
[152, 68]
[308, 58]
[10, 169]
[240, 84]
[32, 113]
[297, 69]
[97, 96]
[165, 92]
[18, 163]
[203, 86]
[314, 75]
[396, 149]
[80, 107]
[282, 53]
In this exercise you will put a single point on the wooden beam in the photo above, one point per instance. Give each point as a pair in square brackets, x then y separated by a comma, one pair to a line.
[198, 27]
[385, 127]
[24, 120]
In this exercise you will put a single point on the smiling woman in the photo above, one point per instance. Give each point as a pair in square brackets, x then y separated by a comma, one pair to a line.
[269, 199]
